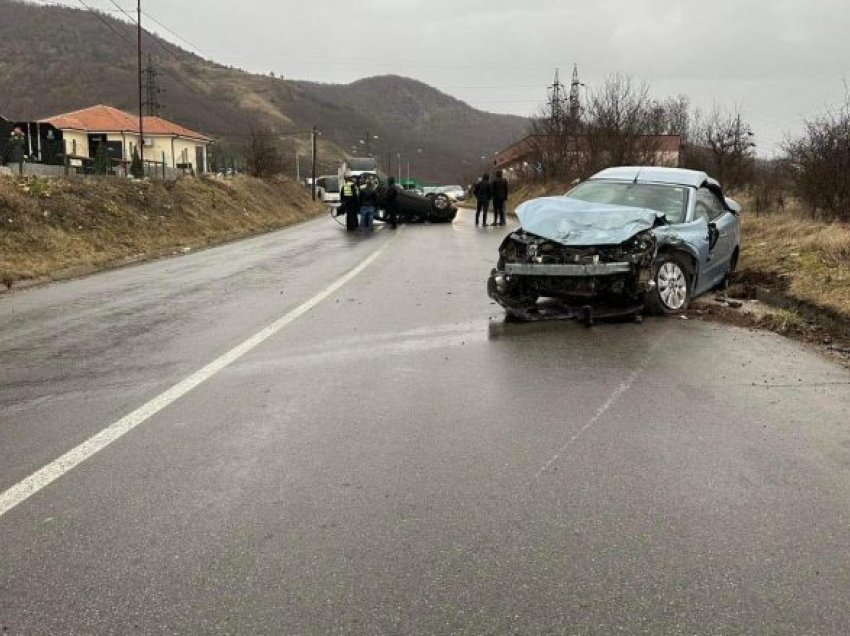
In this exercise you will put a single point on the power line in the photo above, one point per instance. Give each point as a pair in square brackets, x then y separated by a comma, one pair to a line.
[178, 36]
[155, 40]
[124, 11]
[103, 20]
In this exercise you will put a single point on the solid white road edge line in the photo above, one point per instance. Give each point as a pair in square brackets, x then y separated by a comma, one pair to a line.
[26, 488]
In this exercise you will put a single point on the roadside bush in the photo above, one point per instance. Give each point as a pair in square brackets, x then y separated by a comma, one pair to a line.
[820, 164]
[136, 167]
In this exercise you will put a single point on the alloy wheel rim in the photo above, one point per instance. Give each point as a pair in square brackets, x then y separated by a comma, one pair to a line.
[672, 286]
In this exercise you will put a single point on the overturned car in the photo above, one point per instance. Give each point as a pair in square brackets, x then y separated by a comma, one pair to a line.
[627, 240]
[411, 207]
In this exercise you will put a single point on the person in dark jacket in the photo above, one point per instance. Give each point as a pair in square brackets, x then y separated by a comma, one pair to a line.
[368, 204]
[391, 203]
[349, 196]
[500, 197]
[483, 194]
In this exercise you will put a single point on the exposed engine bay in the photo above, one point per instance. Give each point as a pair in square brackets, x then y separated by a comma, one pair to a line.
[615, 276]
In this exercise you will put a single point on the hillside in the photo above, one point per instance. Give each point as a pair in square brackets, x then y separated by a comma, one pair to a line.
[56, 59]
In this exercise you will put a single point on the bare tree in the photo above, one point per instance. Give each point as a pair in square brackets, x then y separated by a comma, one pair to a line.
[263, 157]
[820, 163]
[671, 116]
[722, 145]
[620, 116]
[554, 140]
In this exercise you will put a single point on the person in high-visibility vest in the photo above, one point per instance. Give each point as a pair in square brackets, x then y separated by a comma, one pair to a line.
[349, 196]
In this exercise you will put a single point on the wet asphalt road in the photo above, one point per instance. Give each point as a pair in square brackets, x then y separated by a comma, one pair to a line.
[396, 461]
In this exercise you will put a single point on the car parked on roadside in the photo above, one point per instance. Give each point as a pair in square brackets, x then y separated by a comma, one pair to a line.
[454, 192]
[625, 240]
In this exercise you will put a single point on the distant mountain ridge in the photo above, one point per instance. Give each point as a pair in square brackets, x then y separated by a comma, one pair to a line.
[58, 59]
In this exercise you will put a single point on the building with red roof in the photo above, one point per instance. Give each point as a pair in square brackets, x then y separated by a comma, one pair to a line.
[165, 143]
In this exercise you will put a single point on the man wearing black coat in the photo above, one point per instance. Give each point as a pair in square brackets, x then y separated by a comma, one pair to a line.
[391, 203]
[483, 194]
[500, 197]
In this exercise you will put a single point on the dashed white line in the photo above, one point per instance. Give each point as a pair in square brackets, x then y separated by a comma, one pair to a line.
[622, 388]
[26, 488]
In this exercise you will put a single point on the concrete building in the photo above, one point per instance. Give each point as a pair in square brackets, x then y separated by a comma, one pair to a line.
[165, 143]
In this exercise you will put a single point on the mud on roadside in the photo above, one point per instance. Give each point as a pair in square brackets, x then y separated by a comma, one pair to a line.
[750, 305]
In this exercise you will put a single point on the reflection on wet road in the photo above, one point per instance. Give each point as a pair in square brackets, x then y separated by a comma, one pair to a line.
[396, 459]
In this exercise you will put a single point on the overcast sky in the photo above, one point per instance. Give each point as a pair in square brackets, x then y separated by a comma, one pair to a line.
[779, 60]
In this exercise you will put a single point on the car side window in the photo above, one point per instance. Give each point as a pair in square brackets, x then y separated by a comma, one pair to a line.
[708, 206]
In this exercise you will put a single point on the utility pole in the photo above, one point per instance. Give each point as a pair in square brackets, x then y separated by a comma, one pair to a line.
[151, 89]
[298, 167]
[141, 101]
[313, 144]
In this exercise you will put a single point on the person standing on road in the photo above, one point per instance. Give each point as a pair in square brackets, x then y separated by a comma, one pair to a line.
[483, 194]
[391, 203]
[500, 197]
[350, 198]
[368, 205]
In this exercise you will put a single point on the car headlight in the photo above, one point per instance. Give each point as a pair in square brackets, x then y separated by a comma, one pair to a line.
[640, 243]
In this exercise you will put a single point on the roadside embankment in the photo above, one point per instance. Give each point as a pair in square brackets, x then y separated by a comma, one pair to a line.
[787, 253]
[55, 228]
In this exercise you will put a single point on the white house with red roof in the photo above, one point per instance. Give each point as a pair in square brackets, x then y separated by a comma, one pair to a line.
[165, 143]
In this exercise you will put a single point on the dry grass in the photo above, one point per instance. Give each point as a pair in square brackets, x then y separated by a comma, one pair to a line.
[525, 191]
[804, 259]
[47, 226]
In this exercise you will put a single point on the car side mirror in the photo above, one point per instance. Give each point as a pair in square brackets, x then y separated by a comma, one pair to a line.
[733, 206]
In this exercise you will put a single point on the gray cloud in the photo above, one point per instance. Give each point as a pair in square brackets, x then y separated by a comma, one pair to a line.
[780, 60]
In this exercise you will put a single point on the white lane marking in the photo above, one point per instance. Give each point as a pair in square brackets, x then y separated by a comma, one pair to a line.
[54, 470]
[624, 386]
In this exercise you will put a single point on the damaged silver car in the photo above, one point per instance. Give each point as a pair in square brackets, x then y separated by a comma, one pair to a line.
[628, 239]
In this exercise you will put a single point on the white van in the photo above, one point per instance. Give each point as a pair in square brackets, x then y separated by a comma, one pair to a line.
[327, 189]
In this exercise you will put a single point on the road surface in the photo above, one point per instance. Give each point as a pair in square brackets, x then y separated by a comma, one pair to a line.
[310, 432]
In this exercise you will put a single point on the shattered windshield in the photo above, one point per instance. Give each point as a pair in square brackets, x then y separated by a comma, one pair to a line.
[670, 199]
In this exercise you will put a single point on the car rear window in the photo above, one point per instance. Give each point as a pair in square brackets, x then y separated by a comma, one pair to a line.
[672, 200]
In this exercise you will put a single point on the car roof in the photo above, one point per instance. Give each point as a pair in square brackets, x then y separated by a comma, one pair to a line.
[656, 174]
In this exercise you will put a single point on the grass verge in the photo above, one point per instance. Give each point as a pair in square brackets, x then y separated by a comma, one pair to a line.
[50, 226]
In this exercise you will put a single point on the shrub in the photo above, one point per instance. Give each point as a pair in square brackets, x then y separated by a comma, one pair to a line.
[820, 164]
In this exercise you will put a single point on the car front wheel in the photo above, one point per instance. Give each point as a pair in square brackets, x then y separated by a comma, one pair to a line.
[673, 286]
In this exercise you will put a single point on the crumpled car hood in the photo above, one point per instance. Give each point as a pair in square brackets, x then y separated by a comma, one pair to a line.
[573, 222]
